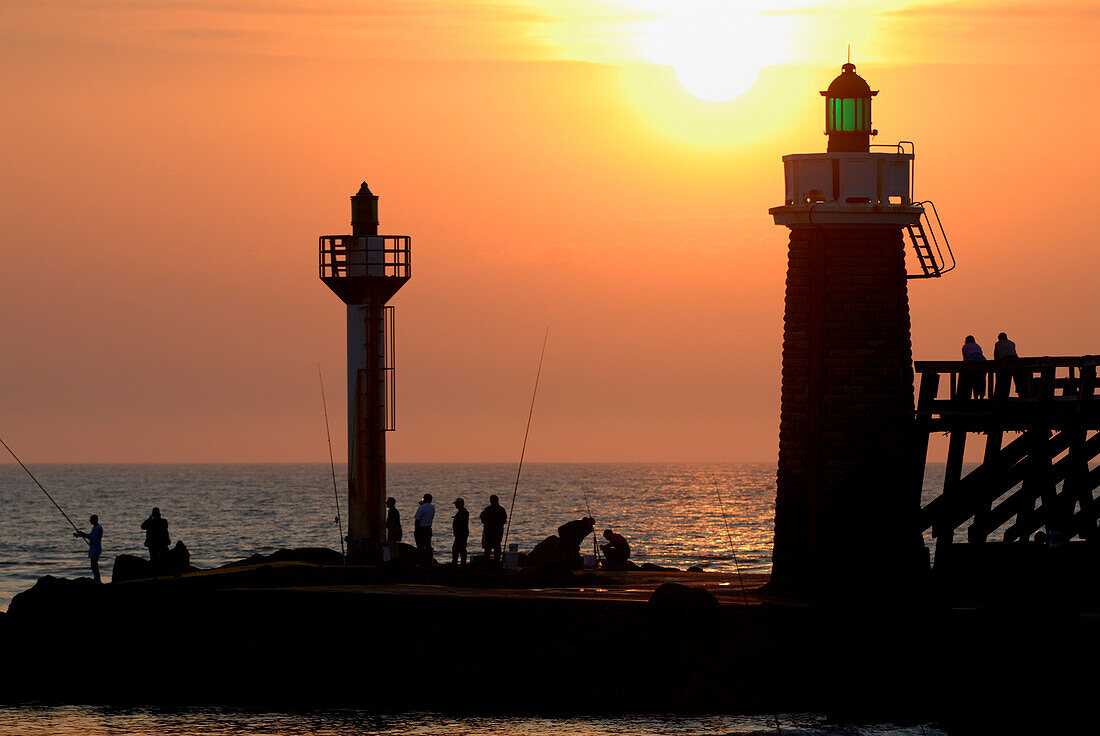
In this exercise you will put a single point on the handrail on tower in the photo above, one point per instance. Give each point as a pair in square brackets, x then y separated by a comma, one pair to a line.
[929, 254]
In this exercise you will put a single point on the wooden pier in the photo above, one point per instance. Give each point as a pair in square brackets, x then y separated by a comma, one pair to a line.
[1041, 422]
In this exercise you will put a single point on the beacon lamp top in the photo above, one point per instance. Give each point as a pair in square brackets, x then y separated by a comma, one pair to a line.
[365, 266]
[848, 112]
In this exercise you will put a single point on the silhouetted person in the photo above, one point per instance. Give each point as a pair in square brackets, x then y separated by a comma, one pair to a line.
[1005, 350]
[95, 544]
[971, 382]
[156, 538]
[493, 518]
[422, 529]
[460, 525]
[572, 534]
[616, 551]
[393, 526]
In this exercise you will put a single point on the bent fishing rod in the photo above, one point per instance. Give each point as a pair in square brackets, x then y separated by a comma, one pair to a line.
[12, 453]
[527, 431]
[332, 465]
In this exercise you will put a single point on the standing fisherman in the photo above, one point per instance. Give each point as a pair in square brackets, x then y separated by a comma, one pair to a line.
[95, 544]
[393, 526]
[422, 529]
[156, 539]
[461, 528]
[493, 519]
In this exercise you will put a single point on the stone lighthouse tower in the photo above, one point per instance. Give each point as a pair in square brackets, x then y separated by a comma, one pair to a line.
[365, 270]
[845, 494]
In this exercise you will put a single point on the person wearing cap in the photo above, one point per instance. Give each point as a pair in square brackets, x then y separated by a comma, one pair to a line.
[422, 529]
[571, 535]
[616, 551]
[461, 528]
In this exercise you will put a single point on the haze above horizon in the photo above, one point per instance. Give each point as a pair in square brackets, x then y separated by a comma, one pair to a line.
[169, 167]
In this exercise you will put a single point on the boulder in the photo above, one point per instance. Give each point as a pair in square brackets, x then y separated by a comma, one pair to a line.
[314, 555]
[549, 551]
[131, 567]
[684, 600]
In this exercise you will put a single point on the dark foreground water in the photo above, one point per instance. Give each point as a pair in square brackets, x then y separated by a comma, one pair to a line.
[94, 721]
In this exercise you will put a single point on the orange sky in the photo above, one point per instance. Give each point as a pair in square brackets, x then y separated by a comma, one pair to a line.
[167, 168]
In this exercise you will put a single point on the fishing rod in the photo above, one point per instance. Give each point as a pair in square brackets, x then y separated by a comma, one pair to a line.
[5, 444]
[595, 542]
[530, 413]
[332, 465]
[729, 539]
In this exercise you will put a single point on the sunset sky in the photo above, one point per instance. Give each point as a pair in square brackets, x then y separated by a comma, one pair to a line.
[168, 167]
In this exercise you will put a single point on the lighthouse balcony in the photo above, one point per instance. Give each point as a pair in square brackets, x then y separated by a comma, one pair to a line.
[357, 266]
[848, 189]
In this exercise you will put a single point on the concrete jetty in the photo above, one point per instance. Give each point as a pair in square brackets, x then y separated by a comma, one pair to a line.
[298, 634]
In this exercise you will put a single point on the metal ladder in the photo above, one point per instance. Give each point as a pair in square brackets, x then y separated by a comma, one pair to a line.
[930, 256]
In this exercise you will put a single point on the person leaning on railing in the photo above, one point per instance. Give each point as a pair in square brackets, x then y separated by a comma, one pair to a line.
[972, 382]
[1005, 350]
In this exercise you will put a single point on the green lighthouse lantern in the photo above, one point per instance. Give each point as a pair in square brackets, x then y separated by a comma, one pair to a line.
[848, 112]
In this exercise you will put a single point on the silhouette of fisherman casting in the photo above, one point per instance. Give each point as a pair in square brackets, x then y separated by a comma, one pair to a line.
[95, 544]
[616, 551]
[156, 538]
[571, 534]
[493, 519]
[461, 528]
[422, 529]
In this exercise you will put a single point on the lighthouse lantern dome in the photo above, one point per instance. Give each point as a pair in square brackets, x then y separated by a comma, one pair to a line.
[848, 112]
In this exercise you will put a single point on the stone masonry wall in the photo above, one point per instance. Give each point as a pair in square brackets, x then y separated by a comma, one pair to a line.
[847, 404]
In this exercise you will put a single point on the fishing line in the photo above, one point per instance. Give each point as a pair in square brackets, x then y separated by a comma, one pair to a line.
[737, 565]
[595, 543]
[530, 412]
[332, 465]
[729, 539]
[5, 444]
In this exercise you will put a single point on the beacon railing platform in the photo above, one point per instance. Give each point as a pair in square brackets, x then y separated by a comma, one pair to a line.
[355, 256]
[1045, 476]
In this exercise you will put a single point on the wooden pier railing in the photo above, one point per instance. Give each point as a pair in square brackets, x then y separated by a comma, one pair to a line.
[1042, 476]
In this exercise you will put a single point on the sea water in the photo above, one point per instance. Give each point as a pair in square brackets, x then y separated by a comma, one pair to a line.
[678, 515]
[714, 516]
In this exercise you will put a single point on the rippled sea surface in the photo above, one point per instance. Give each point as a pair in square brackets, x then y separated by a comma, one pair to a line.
[94, 721]
[672, 514]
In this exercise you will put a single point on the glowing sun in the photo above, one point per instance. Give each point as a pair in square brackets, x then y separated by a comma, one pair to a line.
[717, 47]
